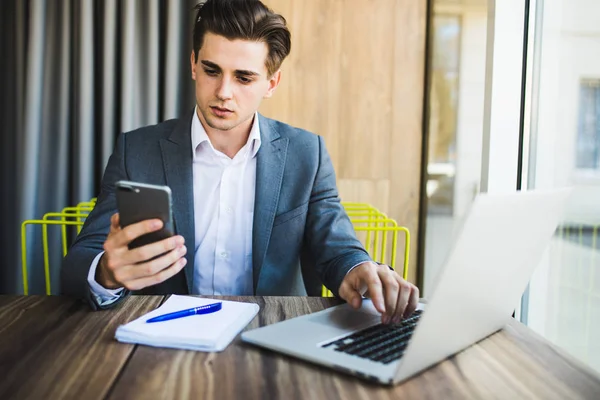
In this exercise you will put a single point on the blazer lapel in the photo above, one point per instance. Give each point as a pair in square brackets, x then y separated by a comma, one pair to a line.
[177, 162]
[270, 163]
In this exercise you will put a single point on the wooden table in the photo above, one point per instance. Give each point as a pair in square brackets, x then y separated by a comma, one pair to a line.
[55, 347]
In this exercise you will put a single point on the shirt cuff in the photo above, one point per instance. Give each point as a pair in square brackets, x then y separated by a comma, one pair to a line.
[362, 262]
[102, 295]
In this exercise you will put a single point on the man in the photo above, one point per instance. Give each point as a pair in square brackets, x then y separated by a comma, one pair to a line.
[250, 194]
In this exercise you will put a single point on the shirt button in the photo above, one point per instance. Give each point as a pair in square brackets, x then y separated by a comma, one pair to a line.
[229, 210]
[223, 254]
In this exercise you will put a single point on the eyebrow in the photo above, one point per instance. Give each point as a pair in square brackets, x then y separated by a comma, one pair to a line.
[214, 66]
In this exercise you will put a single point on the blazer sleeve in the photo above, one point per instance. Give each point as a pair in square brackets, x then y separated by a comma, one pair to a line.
[89, 243]
[329, 233]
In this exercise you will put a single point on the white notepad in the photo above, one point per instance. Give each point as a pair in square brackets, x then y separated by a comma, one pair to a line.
[205, 332]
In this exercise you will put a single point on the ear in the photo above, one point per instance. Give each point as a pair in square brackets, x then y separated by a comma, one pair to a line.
[193, 65]
[273, 83]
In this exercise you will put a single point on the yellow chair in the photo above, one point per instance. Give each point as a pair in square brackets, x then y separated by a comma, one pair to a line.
[379, 235]
[68, 216]
[358, 211]
[367, 218]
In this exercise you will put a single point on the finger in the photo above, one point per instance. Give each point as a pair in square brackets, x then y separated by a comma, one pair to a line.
[153, 267]
[133, 231]
[157, 278]
[413, 302]
[350, 294]
[152, 250]
[114, 222]
[403, 297]
[374, 289]
[391, 289]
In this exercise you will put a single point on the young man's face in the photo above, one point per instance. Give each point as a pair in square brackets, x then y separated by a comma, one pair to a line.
[231, 81]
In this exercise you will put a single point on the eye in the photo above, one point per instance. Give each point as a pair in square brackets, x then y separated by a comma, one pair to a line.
[245, 80]
[210, 72]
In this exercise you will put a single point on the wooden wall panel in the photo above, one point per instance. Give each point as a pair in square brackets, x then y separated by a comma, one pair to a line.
[372, 191]
[355, 76]
[407, 103]
[308, 96]
[366, 98]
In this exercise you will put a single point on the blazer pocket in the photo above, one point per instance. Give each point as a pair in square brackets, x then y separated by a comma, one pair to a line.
[288, 215]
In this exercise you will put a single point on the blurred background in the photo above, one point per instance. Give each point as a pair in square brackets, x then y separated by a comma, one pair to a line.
[398, 88]
[561, 134]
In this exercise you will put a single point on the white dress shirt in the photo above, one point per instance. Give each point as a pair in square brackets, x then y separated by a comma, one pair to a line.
[224, 192]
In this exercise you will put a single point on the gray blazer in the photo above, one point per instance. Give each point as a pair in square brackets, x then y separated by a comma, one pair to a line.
[297, 211]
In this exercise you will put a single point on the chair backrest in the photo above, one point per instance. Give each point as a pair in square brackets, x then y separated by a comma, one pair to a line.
[379, 235]
[68, 216]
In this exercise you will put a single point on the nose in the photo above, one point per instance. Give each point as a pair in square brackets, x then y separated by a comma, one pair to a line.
[225, 89]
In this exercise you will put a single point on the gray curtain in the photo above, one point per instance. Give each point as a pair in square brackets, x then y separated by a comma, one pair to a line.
[74, 74]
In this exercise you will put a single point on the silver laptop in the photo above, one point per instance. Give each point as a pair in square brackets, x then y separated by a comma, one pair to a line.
[492, 259]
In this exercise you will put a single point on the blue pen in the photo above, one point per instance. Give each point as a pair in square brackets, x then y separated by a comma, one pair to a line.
[207, 309]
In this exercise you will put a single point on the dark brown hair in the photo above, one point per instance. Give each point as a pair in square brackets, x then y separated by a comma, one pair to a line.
[246, 20]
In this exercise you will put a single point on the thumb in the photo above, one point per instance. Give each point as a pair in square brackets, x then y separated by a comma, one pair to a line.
[351, 295]
[356, 300]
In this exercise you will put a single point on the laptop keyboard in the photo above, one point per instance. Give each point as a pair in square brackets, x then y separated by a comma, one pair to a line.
[380, 343]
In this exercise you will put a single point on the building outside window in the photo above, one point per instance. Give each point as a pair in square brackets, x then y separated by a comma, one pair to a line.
[588, 127]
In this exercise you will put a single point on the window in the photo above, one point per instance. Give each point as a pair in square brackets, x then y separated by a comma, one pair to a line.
[458, 43]
[443, 113]
[563, 303]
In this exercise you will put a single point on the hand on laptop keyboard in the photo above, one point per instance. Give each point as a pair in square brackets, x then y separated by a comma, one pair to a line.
[392, 296]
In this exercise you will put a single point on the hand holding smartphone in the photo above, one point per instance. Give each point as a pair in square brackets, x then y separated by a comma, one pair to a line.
[138, 253]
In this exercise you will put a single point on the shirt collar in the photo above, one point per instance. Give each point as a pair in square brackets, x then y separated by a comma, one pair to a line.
[199, 135]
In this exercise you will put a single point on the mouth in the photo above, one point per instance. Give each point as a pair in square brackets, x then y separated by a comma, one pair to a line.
[221, 109]
[221, 112]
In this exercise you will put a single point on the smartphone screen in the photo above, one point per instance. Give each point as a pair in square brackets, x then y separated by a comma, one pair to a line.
[138, 202]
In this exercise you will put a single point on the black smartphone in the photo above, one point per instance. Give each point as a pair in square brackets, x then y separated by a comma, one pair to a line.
[141, 201]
